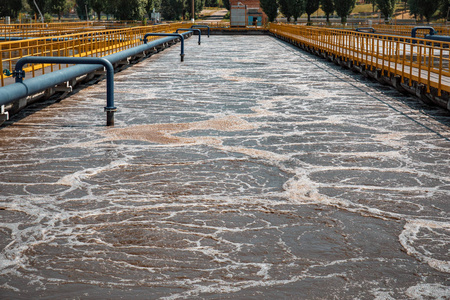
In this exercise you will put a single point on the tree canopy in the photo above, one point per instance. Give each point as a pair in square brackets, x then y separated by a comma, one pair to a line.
[425, 8]
[286, 8]
[428, 8]
[344, 8]
[270, 8]
[328, 8]
[226, 4]
[198, 5]
[10, 8]
[298, 9]
[171, 9]
[311, 6]
[387, 8]
[177, 9]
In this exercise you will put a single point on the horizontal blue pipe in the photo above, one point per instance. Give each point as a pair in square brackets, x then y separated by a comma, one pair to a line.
[180, 36]
[202, 26]
[193, 29]
[442, 38]
[366, 29]
[38, 84]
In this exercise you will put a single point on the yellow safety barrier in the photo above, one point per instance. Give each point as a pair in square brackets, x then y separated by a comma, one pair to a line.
[93, 44]
[416, 61]
[405, 30]
[43, 29]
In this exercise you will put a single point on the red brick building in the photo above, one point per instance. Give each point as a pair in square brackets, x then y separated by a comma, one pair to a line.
[247, 13]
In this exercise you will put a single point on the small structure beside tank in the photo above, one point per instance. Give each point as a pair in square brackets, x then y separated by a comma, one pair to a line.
[246, 13]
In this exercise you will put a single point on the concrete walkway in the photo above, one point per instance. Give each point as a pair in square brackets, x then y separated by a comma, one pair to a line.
[250, 171]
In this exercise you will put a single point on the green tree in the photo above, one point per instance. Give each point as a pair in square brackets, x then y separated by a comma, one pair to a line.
[444, 9]
[109, 8]
[423, 8]
[286, 8]
[98, 6]
[129, 10]
[344, 8]
[226, 4]
[270, 8]
[10, 8]
[42, 4]
[212, 3]
[311, 6]
[428, 8]
[198, 5]
[83, 6]
[298, 9]
[57, 7]
[414, 8]
[387, 8]
[171, 9]
[328, 8]
[374, 4]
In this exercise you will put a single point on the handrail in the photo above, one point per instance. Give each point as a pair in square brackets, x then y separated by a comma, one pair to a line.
[16, 91]
[97, 43]
[415, 63]
[19, 74]
[202, 26]
[192, 29]
[168, 34]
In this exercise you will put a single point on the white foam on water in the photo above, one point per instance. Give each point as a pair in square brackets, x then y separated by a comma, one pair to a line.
[382, 295]
[419, 246]
[424, 291]
[75, 180]
[51, 223]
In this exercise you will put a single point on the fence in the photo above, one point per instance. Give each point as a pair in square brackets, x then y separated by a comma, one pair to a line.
[414, 60]
[86, 44]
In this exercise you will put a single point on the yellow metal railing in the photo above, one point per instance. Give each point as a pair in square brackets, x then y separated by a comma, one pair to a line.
[405, 30]
[412, 59]
[93, 43]
[42, 29]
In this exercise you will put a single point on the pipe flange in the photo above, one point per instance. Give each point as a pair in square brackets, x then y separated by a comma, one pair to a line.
[110, 109]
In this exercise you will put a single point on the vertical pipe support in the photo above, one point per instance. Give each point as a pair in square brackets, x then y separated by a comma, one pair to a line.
[202, 26]
[167, 34]
[429, 28]
[192, 29]
[19, 74]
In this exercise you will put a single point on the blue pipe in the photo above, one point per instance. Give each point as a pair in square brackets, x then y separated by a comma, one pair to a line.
[167, 34]
[201, 26]
[16, 91]
[362, 29]
[442, 38]
[109, 108]
[414, 30]
[191, 29]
